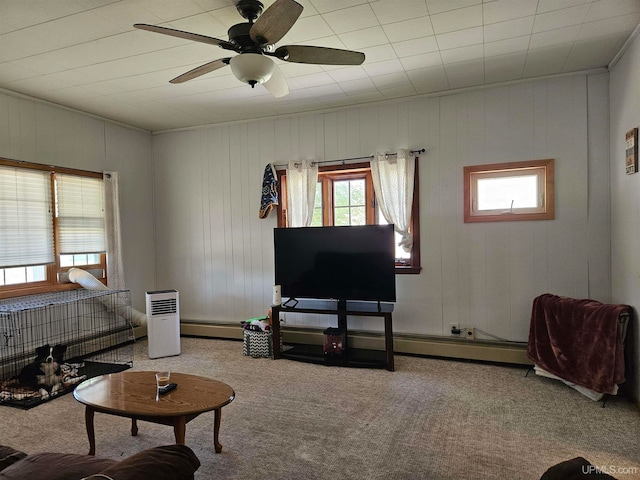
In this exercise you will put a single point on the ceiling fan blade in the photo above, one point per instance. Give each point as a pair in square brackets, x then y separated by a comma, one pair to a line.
[275, 22]
[201, 70]
[186, 35]
[277, 84]
[318, 55]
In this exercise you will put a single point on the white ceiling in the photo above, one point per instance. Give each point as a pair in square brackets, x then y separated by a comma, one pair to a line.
[85, 54]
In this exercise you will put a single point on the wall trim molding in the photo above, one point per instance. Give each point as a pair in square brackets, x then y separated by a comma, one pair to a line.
[624, 48]
[439, 93]
[426, 345]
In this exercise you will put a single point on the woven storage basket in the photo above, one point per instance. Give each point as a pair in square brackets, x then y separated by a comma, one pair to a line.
[257, 344]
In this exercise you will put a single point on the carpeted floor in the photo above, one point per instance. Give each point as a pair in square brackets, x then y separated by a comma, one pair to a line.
[430, 419]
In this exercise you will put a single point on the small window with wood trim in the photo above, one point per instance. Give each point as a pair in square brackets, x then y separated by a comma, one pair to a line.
[502, 192]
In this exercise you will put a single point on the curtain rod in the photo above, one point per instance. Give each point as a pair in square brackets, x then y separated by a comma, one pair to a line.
[345, 160]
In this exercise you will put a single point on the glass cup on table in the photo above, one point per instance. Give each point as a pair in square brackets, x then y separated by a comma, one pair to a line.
[162, 379]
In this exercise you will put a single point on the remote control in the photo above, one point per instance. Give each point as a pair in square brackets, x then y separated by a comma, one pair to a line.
[167, 388]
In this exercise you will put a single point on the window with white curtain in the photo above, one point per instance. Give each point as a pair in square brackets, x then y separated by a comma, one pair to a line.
[344, 196]
[51, 219]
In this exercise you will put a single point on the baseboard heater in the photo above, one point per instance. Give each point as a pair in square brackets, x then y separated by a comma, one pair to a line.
[424, 345]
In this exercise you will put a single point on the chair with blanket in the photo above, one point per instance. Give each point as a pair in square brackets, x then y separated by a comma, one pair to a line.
[580, 342]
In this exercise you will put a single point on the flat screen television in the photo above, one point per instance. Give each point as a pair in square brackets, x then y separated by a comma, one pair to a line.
[342, 263]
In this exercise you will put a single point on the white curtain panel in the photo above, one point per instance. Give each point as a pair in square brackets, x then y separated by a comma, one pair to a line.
[302, 177]
[115, 270]
[393, 186]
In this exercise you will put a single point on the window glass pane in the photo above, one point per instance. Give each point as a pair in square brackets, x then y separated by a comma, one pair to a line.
[341, 193]
[357, 195]
[317, 207]
[505, 193]
[15, 275]
[317, 218]
[400, 253]
[341, 216]
[318, 200]
[358, 216]
[349, 202]
[79, 259]
[36, 273]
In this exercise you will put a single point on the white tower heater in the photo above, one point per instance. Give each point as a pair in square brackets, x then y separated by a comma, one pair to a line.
[163, 323]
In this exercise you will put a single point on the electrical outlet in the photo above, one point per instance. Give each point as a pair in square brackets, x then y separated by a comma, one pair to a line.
[454, 329]
[470, 333]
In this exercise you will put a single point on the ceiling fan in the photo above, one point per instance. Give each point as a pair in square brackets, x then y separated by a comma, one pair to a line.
[254, 42]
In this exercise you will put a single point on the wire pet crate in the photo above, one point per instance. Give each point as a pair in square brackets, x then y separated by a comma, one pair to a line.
[91, 327]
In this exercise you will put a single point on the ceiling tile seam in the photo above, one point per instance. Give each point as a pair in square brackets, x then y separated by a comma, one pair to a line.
[58, 18]
[365, 2]
[186, 42]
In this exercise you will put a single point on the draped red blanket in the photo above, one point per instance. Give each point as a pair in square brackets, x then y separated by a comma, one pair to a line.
[578, 341]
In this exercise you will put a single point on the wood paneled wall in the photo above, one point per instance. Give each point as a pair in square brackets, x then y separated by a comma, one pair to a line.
[214, 249]
[625, 194]
[39, 132]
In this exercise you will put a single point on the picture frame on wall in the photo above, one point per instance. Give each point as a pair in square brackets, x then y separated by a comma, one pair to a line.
[631, 151]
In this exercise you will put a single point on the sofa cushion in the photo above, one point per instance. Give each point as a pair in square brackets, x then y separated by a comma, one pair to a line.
[55, 466]
[169, 462]
[9, 456]
[575, 469]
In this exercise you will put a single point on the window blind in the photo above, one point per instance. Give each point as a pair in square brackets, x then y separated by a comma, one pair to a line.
[26, 229]
[80, 212]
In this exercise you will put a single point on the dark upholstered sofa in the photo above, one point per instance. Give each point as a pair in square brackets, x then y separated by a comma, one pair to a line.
[174, 462]
[575, 469]
[170, 462]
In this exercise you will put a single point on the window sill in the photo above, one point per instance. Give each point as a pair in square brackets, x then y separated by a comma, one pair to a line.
[408, 270]
[508, 217]
[37, 289]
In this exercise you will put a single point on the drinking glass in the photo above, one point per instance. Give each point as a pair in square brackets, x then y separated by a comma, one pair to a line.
[162, 378]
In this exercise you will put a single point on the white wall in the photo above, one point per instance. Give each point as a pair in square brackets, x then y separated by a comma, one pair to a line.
[625, 196]
[212, 246]
[38, 132]
[215, 250]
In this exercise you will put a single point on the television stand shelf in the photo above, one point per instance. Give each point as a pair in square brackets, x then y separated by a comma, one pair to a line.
[354, 357]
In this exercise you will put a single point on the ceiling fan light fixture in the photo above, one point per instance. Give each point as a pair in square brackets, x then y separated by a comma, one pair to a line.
[252, 68]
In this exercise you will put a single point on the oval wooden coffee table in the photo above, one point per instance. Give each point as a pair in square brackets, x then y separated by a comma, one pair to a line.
[133, 395]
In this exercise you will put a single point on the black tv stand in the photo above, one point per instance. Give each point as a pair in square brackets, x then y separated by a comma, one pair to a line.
[354, 357]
